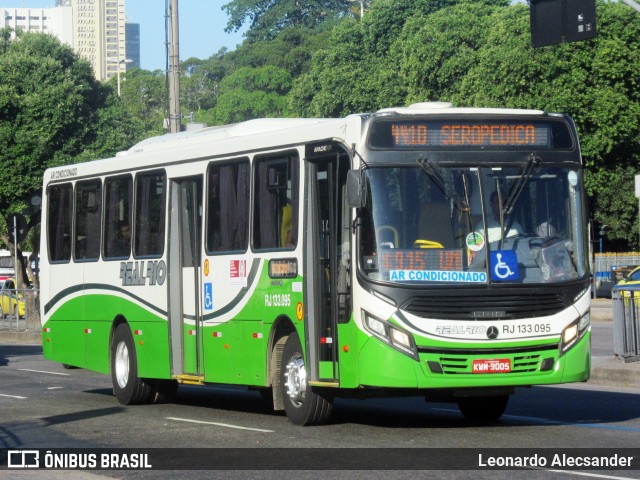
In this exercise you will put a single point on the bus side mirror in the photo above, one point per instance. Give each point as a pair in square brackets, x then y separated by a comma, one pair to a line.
[356, 194]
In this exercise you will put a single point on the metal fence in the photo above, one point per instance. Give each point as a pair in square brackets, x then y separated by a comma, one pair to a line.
[19, 311]
[604, 264]
[626, 323]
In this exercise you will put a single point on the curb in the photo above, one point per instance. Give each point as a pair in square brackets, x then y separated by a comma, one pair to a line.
[614, 372]
[21, 338]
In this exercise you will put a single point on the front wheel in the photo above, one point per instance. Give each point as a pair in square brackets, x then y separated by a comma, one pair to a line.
[128, 388]
[303, 405]
[483, 409]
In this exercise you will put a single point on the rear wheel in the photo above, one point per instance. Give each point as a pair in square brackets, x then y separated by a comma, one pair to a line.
[128, 388]
[483, 409]
[303, 404]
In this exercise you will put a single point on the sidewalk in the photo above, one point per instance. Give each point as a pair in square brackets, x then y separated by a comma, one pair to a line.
[610, 370]
[605, 370]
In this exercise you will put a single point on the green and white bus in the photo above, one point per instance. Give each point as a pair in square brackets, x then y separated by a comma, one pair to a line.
[425, 250]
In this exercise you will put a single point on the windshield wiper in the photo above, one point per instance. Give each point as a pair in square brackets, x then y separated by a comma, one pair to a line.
[461, 204]
[516, 189]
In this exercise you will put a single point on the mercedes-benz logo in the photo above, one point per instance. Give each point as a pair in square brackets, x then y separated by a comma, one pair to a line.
[492, 333]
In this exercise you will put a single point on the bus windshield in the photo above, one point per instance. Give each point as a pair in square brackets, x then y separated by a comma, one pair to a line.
[435, 224]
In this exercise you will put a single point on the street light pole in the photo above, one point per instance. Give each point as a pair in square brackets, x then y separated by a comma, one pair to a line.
[602, 227]
[118, 75]
[118, 63]
[174, 68]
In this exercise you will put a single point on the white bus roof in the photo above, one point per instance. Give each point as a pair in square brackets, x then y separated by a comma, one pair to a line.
[224, 132]
[446, 108]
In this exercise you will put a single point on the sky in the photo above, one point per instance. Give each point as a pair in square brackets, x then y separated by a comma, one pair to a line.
[201, 27]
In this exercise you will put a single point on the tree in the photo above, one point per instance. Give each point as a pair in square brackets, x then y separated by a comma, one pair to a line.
[49, 100]
[268, 17]
[252, 93]
[594, 81]
[357, 71]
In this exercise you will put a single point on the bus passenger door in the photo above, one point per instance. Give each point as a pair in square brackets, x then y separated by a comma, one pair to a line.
[185, 317]
[326, 248]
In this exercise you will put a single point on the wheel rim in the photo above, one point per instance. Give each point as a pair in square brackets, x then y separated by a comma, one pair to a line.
[122, 364]
[296, 380]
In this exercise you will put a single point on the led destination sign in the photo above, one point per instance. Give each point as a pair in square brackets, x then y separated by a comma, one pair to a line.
[420, 134]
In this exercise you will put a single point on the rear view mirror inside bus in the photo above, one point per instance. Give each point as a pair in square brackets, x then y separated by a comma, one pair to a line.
[355, 191]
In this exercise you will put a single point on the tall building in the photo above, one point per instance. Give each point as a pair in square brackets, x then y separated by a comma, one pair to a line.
[100, 35]
[55, 21]
[132, 50]
[95, 29]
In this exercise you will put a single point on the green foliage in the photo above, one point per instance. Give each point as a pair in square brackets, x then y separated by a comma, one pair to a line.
[122, 121]
[49, 100]
[267, 18]
[358, 70]
[253, 93]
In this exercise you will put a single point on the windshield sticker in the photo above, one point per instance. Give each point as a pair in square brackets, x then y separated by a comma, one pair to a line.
[475, 241]
[504, 266]
[437, 276]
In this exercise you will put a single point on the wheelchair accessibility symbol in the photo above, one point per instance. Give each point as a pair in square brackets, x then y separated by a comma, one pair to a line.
[504, 265]
[208, 296]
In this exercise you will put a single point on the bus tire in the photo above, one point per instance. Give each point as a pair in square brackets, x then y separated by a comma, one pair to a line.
[128, 388]
[302, 404]
[483, 409]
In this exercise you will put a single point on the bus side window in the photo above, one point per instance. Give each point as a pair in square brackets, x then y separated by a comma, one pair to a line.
[228, 206]
[150, 210]
[87, 220]
[275, 210]
[59, 222]
[117, 215]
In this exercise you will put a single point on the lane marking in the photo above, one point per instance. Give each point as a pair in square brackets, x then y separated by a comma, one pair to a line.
[585, 474]
[54, 388]
[553, 422]
[13, 396]
[43, 371]
[219, 424]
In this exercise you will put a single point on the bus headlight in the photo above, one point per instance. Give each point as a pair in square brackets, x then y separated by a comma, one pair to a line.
[375, 326]
[390, 334]
[574, 332]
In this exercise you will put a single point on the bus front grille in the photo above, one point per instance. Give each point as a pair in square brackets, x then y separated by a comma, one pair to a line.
[485, 307]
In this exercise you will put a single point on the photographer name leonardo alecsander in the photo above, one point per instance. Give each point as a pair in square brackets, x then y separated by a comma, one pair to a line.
[557, 460]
